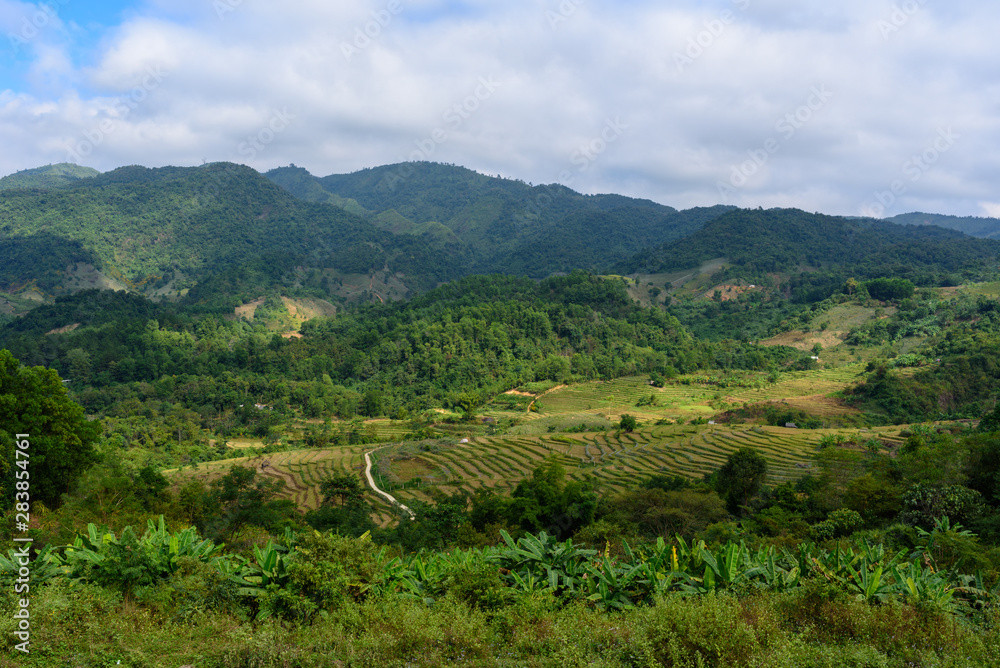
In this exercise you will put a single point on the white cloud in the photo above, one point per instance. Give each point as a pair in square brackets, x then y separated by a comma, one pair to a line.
[369, 83]
[991, 209]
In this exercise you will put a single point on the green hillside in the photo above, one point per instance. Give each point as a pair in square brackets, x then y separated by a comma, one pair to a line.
[50, 176]
[758, 242]
[171, 229]
[974, 226]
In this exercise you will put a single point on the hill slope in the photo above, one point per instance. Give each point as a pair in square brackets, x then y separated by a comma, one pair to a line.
[507, 225]
[757, 242]
[50, 176]
[974, 226]
[151, 228]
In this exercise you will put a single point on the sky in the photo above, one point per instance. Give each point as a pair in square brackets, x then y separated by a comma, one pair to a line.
[855, 107]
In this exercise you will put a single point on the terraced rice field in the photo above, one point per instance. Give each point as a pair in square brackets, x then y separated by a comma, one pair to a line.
[301, 470]
[613, 459]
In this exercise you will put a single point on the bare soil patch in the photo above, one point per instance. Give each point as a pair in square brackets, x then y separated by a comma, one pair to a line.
[63, 330]
[249, 309]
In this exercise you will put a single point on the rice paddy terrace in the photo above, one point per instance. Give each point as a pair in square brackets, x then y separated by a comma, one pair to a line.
[612, 460]
[466, 459]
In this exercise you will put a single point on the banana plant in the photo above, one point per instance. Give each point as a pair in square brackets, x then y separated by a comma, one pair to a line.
[730, 566]
[870, 584]
[268, 567]
[185, 543]
[774, 577]
[543, 559]
[47, 565]
[924, 585]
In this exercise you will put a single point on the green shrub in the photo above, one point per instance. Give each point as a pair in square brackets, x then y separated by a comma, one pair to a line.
[479, 585]
[838, 524]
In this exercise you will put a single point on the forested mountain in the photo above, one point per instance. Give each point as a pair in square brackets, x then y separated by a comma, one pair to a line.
[509, 226]
[226, 233]
[758, 242]
[974, 226]
[222, 233]
[172, 228]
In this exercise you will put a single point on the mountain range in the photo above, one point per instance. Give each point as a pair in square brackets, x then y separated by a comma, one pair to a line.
[222, 233]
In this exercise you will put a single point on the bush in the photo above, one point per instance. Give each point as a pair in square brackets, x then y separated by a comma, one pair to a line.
[324, 571]
[924, 504]
[838, 524]
[478, 585]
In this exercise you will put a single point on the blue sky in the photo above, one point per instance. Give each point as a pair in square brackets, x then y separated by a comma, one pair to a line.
[872, 107]
[78, 26]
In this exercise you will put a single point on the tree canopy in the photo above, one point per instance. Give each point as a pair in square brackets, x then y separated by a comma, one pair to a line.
[61, 440]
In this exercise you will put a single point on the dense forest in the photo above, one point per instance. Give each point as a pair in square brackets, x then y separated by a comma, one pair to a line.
[508, 225]
[758, 243]
[457, 346]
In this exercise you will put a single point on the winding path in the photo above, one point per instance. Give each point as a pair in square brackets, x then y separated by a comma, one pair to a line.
[371, 483]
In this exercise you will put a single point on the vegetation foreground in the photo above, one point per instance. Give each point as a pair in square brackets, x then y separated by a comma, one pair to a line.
[171, 599]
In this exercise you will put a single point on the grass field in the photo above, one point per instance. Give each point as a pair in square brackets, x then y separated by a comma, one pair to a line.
[991, 290]
[605, 402]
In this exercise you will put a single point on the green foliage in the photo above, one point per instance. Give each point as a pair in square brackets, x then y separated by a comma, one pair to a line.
[147, 227]
[243, 498]
[628, 423]
[838, 524]
[664, 510]
[780, 417]
[741, 477]
[889, 289]
[50, 176]
[923, 505]
[545, 501]
[458, 345]
[127, 562]
[786, 239]
[44, 437]
[506, 225]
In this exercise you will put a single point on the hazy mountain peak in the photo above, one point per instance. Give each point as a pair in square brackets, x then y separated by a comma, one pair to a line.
[49, 176]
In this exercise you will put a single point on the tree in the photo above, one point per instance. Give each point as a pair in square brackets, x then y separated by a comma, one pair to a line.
[344, 509]
[886, 289]
[241, 499]
[990, 422]
[345, 487]
[741, 477]
[546, 502]
[628, 423]
[60, 439]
